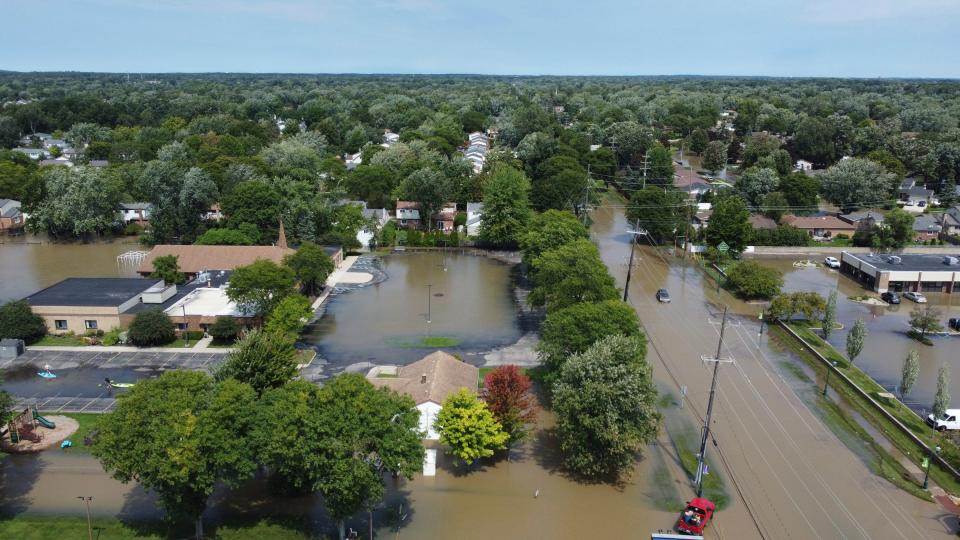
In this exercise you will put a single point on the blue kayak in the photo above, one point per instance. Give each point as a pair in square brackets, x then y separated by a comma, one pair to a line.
[47, 374]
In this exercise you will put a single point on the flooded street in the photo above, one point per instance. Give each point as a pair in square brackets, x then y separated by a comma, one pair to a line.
[30, 263]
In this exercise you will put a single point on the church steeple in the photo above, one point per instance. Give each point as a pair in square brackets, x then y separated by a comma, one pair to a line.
[282, 237]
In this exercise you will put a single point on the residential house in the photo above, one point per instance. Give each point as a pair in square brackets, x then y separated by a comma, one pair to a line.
[136, 211]
[377, 217]
[429, 381]
[701, 219]
[864, 220]
[443, 220]
[353, 160]
[916, 198]
[408, 214]
[33, 153]
[474, 218]
[11, 218]
[390, 138]
[820, 227]
[214, 213]
[62, 161]
[803, 165]
[950, 221]
[926, 228]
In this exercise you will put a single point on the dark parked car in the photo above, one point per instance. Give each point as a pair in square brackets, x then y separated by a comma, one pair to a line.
[663, 296]
[954, 323]
[890, 297]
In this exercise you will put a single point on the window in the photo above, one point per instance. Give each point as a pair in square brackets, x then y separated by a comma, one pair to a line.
[403, 222]
[90, 325]
[181, 326]
[60, 324]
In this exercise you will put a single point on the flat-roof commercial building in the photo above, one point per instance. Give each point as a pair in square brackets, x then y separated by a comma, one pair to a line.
[82, 304]
[194, 259]
[900, 273]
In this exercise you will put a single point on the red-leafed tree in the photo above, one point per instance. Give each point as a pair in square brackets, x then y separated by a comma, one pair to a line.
[507, 393]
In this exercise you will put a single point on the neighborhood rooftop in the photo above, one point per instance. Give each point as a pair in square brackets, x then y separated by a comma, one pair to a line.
[912, 262]
[194, 259]
[102, 292]
[432, 378]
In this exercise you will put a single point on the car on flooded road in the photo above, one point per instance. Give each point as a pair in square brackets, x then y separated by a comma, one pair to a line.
[890, 297]
[950, 420]
[695, 517]
[663, 296]
[916, 297]
[832, 262]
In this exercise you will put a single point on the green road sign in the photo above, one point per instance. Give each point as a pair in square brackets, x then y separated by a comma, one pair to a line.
[723, 247]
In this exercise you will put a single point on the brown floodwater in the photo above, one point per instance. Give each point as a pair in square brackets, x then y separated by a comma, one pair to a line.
[30, 263]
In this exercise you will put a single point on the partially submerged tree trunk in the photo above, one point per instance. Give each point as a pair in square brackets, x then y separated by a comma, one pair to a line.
[199, 527]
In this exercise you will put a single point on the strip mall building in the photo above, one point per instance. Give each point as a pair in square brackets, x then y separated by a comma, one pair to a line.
[902, 273]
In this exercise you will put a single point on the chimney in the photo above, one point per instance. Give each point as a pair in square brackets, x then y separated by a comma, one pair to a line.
[423, 379]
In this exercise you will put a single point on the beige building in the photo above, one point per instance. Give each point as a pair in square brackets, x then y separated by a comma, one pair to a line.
[80, 305]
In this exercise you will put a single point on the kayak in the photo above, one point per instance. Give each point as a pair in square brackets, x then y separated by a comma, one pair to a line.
[122, 384]
[47, 374]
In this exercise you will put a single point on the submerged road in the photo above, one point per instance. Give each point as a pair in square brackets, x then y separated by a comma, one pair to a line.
[787, 474]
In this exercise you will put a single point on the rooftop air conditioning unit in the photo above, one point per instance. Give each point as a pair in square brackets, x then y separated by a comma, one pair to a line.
[951, 261]
[894, 259]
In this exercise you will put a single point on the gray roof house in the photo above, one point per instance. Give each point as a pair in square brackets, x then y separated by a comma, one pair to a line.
[926, 227]
[950, 221]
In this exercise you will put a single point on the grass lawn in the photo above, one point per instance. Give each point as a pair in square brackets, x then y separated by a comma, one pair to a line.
[60, 341]
[428, 342]
[894, 406]
[37, 527]
[88, 423]
[836, 242]
[180, 343]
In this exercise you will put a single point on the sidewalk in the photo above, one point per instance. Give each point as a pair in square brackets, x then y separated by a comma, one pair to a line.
[123, 348]
[341, 275]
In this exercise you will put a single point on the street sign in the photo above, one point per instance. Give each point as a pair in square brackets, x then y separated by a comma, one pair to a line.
[723, 247]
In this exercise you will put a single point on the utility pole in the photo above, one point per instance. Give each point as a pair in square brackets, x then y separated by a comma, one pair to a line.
[633, 240]
[686, 239]
[429, 296]
[716, 361]
[89, 526]
[646, 167]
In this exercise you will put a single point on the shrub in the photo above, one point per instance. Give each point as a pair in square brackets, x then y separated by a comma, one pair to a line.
[112, 336]
[224, 329]
[151, 328]
[750, 279]
[132, 229]
[18, 321]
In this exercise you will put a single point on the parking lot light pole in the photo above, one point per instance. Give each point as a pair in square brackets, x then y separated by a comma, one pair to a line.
[826, 383]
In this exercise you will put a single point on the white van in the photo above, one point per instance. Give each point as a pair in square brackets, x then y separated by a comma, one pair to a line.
[950, 420]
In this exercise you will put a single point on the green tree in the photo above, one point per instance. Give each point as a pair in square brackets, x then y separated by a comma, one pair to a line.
[829, 315]
[941, 400]
[751, 280]
[151, 328]
[337, 440]
[661, 165]
[550, 230]
[311, 266]
[560, 183]
[77, 201]
[259, 286]
[855, 339]
[18, 321]
[774, 205]
[289, 316]
[167, 268]
[605, 402]
[815, 140]
[372, 184]
[854, 183]
[506, 390]
[572, 330]
[223, 237]
[909, 373]
[785, 305]
[801, 192]
[698, 141]
[900, 225]
[224, 329]
[506, 209]
[730, 224]
[755, 183]
[179, 436]
[261, 359]
[925, 320]
[570, 274]
[660, 212]
[429, 189]
[257, 203]
[467, 426]
[715, 156]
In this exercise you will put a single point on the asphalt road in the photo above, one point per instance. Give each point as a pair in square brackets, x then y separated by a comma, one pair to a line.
[788, 475]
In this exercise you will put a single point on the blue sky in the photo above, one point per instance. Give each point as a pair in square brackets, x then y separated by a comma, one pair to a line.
[847, 38]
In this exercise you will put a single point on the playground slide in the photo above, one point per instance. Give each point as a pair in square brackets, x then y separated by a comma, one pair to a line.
[43, 421]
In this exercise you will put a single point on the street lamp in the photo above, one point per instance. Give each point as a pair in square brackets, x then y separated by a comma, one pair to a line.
[827, 382]
[926, 468]
[89, 526]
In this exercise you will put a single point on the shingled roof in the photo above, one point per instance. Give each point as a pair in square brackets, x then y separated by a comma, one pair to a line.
[195, 259]
[432, 378]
